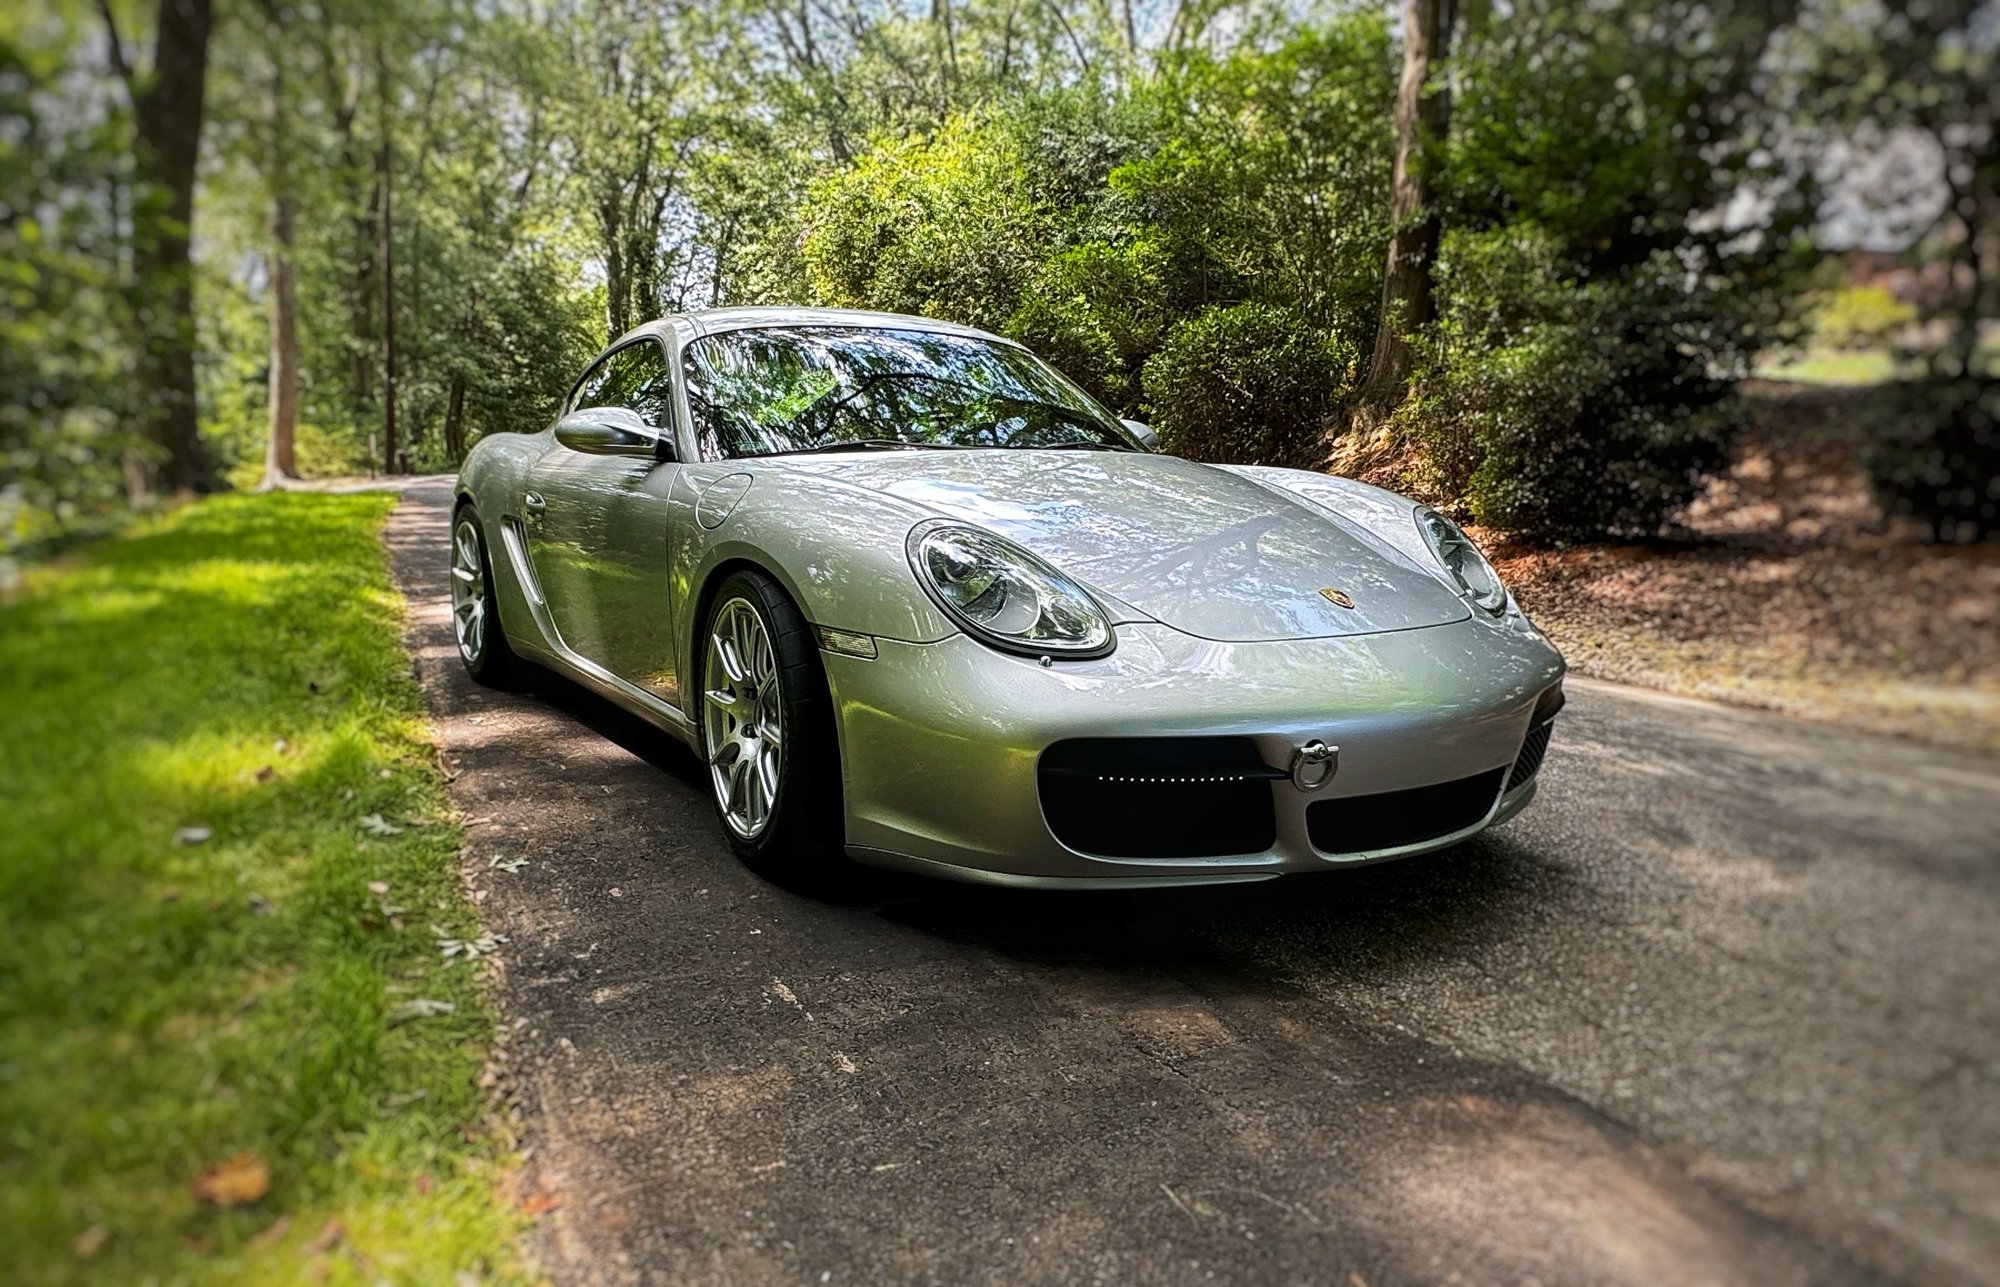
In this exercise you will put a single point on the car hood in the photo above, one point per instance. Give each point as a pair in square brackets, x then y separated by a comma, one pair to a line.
[1207, 551]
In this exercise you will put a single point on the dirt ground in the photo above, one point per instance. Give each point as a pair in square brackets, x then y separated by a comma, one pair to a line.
[1788, 589]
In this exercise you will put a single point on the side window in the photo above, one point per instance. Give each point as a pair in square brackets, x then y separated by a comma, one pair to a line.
[650, 389]
[635, 377]
[591, 386]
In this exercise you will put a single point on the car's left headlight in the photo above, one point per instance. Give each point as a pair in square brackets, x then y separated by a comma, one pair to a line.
[1002, 595]
[1462, 560]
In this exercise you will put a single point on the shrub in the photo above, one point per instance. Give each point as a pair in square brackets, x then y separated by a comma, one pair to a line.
[1564, 409]
[1093, 312]
[1938, 458]
[1860, 317]
[942, 226]
[1245, 385]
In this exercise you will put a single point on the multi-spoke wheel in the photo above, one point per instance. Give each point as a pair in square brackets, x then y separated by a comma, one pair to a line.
[474, 618]
[744, 711]
[766, 729]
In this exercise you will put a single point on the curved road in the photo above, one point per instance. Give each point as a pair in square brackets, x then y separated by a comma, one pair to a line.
[1723, 1006]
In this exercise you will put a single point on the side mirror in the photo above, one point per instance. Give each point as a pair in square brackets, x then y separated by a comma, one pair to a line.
[1143, 432]
[612, 431]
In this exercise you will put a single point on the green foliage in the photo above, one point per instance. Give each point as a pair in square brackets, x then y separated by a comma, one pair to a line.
[66, 321]
[943, 226]
[1561, 408]
[1592, 310]
[1860, 317]
[1249, 384]
[1270, 181]
[1938, 458]
[235, 667]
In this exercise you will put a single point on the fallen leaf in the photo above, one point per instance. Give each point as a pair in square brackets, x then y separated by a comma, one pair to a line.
[236, 1182]
[470, 949]
[499, 862]
[421, 1008]
[423, 1185]
[272, 1234]
[375, 825]
[266, 773]
[539, 1203]
[281, 746]
[378, 886]
[327, 1238]
[259, 905]
[193, 835]
[90, 1241]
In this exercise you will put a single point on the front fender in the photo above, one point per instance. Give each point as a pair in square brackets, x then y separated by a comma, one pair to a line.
[837, 549]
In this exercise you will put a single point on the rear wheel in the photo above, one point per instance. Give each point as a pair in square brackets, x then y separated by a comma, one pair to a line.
[475, 615]
[767, 731]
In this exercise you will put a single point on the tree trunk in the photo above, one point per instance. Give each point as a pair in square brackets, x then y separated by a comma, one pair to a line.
[454, 419]
[386, 227]
[167, 114]
[1421, 118]
[280, 462]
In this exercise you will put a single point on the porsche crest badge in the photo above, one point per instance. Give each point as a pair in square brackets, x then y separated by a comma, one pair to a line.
[1339, 598]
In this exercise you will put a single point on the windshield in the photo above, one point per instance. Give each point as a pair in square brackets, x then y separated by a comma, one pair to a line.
[784, 389]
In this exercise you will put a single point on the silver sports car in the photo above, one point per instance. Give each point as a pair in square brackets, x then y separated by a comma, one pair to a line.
[916, 598]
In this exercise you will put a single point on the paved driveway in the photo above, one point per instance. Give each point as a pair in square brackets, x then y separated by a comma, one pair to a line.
[1724, 1006]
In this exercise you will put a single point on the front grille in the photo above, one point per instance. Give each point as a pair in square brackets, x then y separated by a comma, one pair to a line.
[1392, 819]
[1159, 797]
[1529, 761]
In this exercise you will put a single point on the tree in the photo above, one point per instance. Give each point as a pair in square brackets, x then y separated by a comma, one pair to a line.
[281, 456]
[167, 100]
[1422, 112]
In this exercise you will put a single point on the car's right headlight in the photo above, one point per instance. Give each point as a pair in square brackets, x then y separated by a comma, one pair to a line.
[1461, 558]
[1002, 595]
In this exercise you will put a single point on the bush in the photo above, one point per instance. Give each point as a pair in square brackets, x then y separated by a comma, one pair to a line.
[1245, 385]
[941, 226]
[1093, 313]
[1563, 409]
[1938, 459]
[1860, 317]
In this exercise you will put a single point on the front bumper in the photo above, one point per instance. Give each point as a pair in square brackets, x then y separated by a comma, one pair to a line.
[940, 742]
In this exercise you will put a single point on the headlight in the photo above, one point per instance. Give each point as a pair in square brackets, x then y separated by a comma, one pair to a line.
[1462, 559]
[1002, 595]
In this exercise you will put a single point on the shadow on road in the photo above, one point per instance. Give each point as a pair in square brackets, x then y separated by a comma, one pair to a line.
[1363, 923]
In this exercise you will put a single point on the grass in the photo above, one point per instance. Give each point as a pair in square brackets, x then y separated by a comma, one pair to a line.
[233, 666]
[1833, 366]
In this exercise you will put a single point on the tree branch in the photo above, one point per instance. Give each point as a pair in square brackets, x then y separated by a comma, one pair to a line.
[119, 63]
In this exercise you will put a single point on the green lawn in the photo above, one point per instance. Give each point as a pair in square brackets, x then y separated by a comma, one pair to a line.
[233, 666]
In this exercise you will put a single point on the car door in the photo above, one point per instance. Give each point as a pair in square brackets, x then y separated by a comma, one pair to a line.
[598, 528]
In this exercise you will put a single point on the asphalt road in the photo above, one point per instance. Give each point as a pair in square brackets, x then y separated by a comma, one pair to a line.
[1722, 1006]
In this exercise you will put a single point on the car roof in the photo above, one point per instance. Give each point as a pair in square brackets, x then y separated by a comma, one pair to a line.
[710, 321]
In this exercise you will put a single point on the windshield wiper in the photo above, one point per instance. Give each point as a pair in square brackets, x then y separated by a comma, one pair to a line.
[861, 444]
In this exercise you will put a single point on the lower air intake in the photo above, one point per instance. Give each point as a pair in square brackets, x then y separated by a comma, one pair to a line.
[1391, 819]
[1159, 797]
[1529, 761]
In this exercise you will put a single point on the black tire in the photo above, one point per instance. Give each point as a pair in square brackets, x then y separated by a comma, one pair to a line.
[801, 840]
[493, 663]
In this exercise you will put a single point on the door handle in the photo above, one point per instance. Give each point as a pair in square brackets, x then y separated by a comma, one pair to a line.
[533, 502]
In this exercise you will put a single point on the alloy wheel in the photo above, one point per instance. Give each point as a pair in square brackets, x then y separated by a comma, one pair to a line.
[743, 717]
[468, 592]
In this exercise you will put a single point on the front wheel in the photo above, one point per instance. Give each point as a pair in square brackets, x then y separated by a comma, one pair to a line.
[475, 616]
[767, 731]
